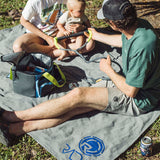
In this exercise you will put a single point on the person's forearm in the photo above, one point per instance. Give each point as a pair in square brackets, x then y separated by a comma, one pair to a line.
[33, 29]
[61, 28]
[113, 40]
[120, 82]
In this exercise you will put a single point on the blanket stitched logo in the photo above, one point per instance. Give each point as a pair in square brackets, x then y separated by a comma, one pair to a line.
[91, 146]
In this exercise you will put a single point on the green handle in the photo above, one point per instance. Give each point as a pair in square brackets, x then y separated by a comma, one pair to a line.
[90, 36]
[56, 43]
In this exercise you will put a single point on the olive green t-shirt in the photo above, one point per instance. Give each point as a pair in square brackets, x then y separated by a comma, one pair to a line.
[141, 64]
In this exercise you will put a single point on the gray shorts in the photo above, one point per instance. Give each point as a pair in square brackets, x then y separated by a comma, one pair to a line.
[118, 102]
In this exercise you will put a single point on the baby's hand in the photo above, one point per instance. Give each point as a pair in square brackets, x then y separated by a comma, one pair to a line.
[66, 33]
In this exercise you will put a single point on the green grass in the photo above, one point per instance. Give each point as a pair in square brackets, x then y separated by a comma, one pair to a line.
[27, 148]
[7, 21]
[6, 6]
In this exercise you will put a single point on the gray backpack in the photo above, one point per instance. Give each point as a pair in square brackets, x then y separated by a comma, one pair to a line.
[34, 74]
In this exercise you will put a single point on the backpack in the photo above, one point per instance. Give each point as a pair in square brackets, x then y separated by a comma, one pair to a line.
[34, 74]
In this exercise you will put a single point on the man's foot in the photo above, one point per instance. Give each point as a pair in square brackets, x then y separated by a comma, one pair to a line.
[5, 137]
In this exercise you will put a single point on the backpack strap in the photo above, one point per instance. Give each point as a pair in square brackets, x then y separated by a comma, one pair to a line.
[52, 79]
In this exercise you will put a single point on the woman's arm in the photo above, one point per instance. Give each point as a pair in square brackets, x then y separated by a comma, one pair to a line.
[36, 31]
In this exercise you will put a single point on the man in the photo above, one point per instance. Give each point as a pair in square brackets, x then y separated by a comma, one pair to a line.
[135, 92]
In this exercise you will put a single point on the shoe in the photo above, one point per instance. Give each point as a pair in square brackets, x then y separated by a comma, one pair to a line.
[5, 137]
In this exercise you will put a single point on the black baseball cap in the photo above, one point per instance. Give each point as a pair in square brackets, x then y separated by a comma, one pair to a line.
[113, 9]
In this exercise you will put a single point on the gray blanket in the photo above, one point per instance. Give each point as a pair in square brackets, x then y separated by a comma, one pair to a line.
[92, 136]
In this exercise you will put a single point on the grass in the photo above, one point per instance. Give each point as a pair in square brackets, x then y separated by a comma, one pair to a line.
[28, 148]
[6, 6]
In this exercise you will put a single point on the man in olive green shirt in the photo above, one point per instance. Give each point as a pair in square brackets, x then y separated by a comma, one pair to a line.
[141, 67]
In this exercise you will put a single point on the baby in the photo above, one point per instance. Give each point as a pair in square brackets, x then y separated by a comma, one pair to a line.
[67, 24]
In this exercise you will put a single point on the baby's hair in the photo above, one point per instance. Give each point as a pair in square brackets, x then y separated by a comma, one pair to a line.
[70, 2]
[83, 1]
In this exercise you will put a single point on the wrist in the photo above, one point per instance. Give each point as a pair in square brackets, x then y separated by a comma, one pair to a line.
[110, 72]
[62, 30]
[46, 37]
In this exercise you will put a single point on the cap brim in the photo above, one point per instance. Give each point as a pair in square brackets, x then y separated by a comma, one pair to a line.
[100, 14]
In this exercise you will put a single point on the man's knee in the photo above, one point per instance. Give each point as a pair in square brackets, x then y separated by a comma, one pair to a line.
[78, 95]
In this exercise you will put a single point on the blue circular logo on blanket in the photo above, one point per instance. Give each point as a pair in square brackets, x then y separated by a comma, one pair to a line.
[91, 146]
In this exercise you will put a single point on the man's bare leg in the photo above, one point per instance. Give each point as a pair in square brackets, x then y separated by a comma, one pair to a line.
[23, 127]
[31, 43]
[89, 97]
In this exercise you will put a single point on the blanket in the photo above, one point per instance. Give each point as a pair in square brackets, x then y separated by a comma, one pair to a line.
[91, 136]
